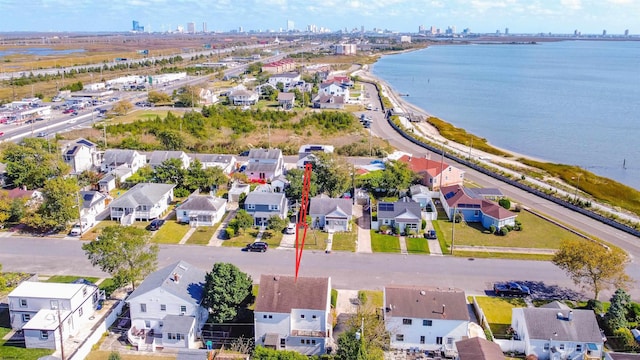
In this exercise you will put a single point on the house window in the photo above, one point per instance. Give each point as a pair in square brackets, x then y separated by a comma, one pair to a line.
[143, 307]
[427, 322]
[421, 339]
[274, 207]
[399, 337]
[313, 342]
[302, 341]
[302, 316]
[308, 341]
[264, 316]
[26, 317]
[561, 346]
[546, 347]
[161, 323]
[406, 321]
[313, 317]
[23, 303]
[80, 312]
[54, 304]
[283, 342]
[171, 336]
[439, 340]
[476, 213]
[183, 308]
[44, 335]
[179, 337]
[163, 307]
[450, 341]
[579, 347]
[251, 206]
[147, 324]
[270, 316]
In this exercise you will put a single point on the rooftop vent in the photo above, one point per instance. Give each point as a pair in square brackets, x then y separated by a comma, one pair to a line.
[423, 293]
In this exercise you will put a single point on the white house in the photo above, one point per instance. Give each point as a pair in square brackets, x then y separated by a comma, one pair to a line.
[201, 210]
[81, 155]
[243, 97]
[554, 331]
[285, 320]
[330, 214]
[226, 162]
[335, 88]
[114, 158]
[38, 309]
[264, 164]
[144, 201]
[287, 79]
[166, 308]
[477, 348]
[159, 156]
[426, 318]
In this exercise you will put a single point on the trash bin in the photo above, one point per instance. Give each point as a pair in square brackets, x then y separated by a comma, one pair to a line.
[209, 345]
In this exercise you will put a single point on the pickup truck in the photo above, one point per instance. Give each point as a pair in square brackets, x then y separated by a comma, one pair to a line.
[511, 289]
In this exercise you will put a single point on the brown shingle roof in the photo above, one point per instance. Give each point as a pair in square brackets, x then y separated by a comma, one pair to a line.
[426, 303]
[478, 349]
[280, 294]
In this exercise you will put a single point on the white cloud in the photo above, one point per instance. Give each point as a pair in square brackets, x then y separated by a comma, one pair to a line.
[572, 4]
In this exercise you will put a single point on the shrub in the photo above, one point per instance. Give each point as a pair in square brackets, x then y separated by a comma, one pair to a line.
[424, 224]
[385, 229]
[114, 356]
[181, 192]
[504, 231]
[230, 232]
[518, 208]
[505, 203]
[493, 229]
[334, 297]
[626, 338]
[362, 297]
[596, 306]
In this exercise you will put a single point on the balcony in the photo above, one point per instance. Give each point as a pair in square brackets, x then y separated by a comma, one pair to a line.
[309, 333]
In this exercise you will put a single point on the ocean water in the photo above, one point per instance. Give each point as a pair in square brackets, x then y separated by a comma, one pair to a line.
[570, 102]
[38, 51]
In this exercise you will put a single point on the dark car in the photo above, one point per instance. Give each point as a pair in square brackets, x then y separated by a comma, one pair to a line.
[155, 224]
[430, 234]
[258, 246]
[511, 289]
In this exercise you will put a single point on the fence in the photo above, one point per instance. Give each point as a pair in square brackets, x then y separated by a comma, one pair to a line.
[97, 332]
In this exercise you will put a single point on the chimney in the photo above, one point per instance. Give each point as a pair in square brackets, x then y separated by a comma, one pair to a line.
[443, 307]
[176, 277]
[570, 315]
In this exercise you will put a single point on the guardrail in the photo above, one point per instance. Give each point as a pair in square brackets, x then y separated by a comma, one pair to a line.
[529, 189]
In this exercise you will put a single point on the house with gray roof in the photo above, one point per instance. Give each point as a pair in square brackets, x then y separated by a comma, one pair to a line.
[93, 203]
[81, 155]
[115, 158]
[477, 348]
[403, 215]
[284, 320]
[225, 162]
[243, 97]
[166, 308]
[556, 332]
[426, 318]
[263, 205]
[264, 164]
[144, 201]
[159, 156]
[330, 214]
[201, 210]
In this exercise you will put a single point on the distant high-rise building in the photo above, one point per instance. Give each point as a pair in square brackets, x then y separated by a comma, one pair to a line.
[191, 27]
[604, 32]
[626, 32]
[240, 29]
[136, 26]
[506, 31]
[421, 29]
[346, 49]
[433, 30]
[180, 29]
[290, 25]
[204, 26]
[362, 29]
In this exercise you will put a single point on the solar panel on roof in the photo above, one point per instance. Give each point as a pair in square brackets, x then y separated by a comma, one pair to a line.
[87, 197]
[86, 142]
[449, 195]
[385, 207]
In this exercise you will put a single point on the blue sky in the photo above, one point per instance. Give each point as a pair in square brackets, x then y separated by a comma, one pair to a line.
[481, 16]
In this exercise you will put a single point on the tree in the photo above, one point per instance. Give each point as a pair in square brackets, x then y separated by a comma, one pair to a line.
[170, 172]
[294, 190]
[125, 252]
[5, 207]
[226, 290]
[242, 220]
[204, 179]
[591, 265]
[616, 316]
[276, 223]
[333, 174]
[60, 205]
[171, 140]
[374, 335]
[157, 97]
[186, 96]
[31, 164]
[122, 107]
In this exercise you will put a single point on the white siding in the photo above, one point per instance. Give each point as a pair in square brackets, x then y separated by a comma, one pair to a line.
[153, 301]
[267, 322]
[455, 329]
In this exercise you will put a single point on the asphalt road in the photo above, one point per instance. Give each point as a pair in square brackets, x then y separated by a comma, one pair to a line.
[347, 270]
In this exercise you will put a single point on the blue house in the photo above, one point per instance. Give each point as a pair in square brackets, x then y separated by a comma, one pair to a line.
[263, 205]
[474, 207]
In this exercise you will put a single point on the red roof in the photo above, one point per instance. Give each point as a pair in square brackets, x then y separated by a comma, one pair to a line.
[420, 164]
[18, 193]
[455, 195]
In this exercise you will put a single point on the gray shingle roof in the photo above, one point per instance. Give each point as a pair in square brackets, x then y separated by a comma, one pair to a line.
[115, 157]
[263, 198]
[177, 324]
[189, 287]
[544, 324]
[261, 167]
[89, 198]
[142, 194]
[158, 157]
[426, 303]
[323, 205]
[203, 203]
[478, 349]
[280, 294]
[259, 154]
[404, 209]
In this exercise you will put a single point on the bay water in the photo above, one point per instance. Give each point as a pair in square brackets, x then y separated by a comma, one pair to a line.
[570, 102]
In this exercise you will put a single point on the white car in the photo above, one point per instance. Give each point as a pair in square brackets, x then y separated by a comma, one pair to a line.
[291, 229]
[76, 230]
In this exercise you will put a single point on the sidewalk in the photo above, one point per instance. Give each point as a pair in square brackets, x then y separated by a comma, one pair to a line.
[498, 249]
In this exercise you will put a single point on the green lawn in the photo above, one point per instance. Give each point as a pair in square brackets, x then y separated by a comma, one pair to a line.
[498, 312]
[108, 285]
[104, 355]
[170, 233]
[502, 255]
[69, 279]
[202, 235]
[384, 243]
[372, 297]
[345, 241]
[317, 240]
[417, 245]
[537, 233]
[247, 236]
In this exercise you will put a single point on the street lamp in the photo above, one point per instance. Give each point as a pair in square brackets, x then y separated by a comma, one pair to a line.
[575, 194]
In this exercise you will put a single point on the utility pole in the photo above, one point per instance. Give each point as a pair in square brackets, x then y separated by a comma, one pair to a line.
[61, 332]
[441, 166]
[453, 225]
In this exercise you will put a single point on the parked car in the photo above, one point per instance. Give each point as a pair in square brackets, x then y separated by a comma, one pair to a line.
[290, 229]
[155, 224]
[258, 246]
[77, 230]
[511, 289]
[42, 134]
[430, 234]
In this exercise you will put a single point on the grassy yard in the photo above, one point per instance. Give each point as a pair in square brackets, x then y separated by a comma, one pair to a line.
[170, 233]
[317, 240]
[8, 351]
[384, 243]
[104, 355]
[69, 279]
[345, 241]
[202, 235]
[537, 234]
[245, 237]
[501, 255]
[417, 245]
[371, 297]
[498, 312]
[93, 233]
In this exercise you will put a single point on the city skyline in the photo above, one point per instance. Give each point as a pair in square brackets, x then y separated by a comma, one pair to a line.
[480, 16]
